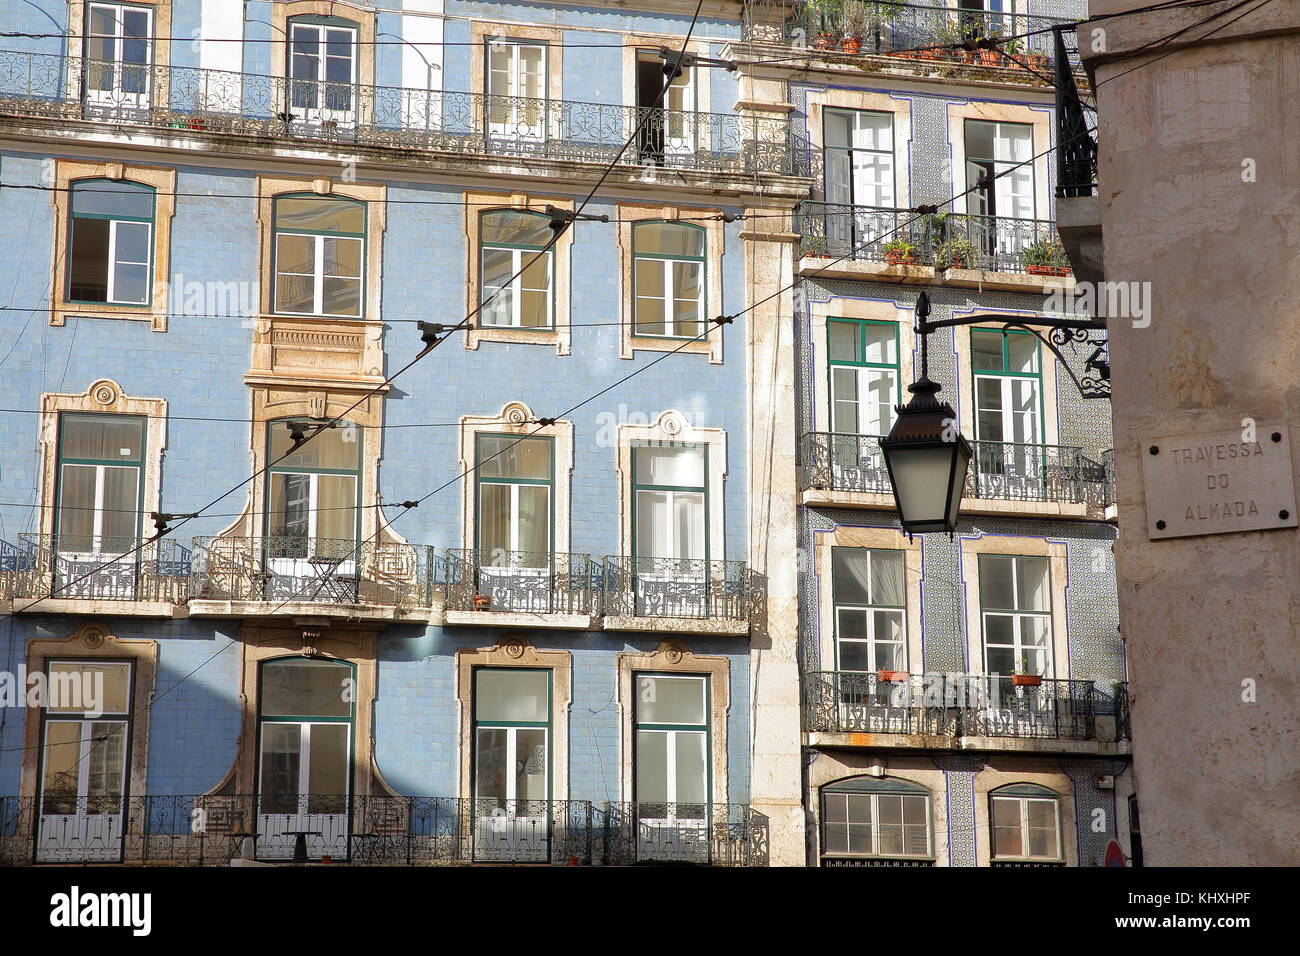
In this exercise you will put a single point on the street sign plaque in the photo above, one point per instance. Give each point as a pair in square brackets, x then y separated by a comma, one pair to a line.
[1218, 483]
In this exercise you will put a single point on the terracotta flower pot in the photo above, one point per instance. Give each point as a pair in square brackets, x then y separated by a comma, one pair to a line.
[1026, 680]
[1037, 270]
[892, 677]
[851, 44]
[823, 41]
[482, 602]
[901, 258]
[990, 57]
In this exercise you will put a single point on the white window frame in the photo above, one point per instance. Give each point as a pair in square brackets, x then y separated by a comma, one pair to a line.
[516, 287]
[1020, 649]
[318, 274]
[517, 126]
[875, 824]
[1023, 803]
[871, 640]
[116, 96]
[320, 86]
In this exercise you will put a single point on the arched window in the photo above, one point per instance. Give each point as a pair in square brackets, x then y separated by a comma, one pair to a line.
[322, 69]
[305, 715]
[110, 246]
[875, 818]
[1025, 824]
[517, 283]
[668, 279]
[320, 252]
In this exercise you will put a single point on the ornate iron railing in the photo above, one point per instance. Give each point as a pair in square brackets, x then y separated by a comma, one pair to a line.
[718, 834]
[677, 588]
[533, 582]
[314, 570]
[360, 830]
[897, 26]
[1025, 472]
[943, 240]
[1076, 134]
[1123, 712]
[90, 568]
[246, 104]
[830, 461]
[948, 705]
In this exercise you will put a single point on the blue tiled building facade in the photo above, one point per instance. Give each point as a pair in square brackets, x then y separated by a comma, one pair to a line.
[508, 598]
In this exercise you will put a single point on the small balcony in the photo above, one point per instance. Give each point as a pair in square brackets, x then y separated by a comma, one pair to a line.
[849, 471]
[962, 249]
[704, 834]
[951, 711]
[95, 574]
[330, 577]
[207, 102]
[522, 589]
[677, 594]
[885, 29]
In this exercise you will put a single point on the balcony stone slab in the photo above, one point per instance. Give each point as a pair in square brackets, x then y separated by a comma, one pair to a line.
[522, 619]
[678, 625]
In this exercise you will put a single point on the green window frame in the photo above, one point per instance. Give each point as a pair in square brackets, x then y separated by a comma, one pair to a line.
[870, 818]
[672, 491]
[110, 249]
[877, 614]
[857, 371]
[1006, 377]
[1017, 813]
[644, 691]
[108, 531]
[485, 484]
[659, 281]
[294, 490]
[321, 241]
[511, 739]
[314, 802]
[530, 275]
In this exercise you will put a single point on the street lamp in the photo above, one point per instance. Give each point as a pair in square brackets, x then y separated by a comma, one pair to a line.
[925, 453]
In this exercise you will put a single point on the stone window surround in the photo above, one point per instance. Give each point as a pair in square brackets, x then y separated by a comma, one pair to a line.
[159, 52]
[628, 215]
[635, 43]
[830, 767]
[968, 571]
[515, 651]
[264, 642]
[1053, 778]
[271, 402]
[672, 427]
[363, 17]
[163, 181]
[104, 396]
[887, 539]
[561, 336]
[856, 307]
[1039, 117]
[1047, 378]
[513, 419]
[674, 657]
[899, 105]
[94, 641]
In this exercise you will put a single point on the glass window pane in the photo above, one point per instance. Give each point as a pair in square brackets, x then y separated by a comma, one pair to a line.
[839, 125]
[342, 257]
[530, 764]
[1032, 586]
[843, 339]
[692, 773]
[508, 456]
[668, 239]
[131, 284]
[498, 270]
[855, 655]
[1022, 353]
[281, 763]
[62, 756]
[671, 465]
[106, 763]
[850, 575]
[102, 437]
[341, 297]
[494, 524]
[77, 686]
[517, 694]
[305, 688]
[320, 214]
[887, 584]
[654, 531]
[327, 765]
[669, 700]
[88, 260]
[995, 581]
[881, 344]
[844, 393]
[651, 766]
[534, 519]
[289, 512]
[337, 449]
[121, 503]
[514, 228]
[114, 199]
[1006, 827]
[77, 508]
[986, 350]
[336, 515]
[491, 759]
[979, 139]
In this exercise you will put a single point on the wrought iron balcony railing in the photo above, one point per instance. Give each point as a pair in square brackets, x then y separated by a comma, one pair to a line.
[314, 570]
[888, 27]
[95, 568]
[1123, 712]
[533, 582]
[830, 461]
[246, 104]
[720, 834]
[677, 588]
[953, 705]
[363, 830]
[945, 241]
[1024, 472]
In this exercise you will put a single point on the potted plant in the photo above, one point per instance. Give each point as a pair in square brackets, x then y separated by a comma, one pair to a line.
[891, 677]
[989, 56]
[822, 15]
[815, 246]
[482, 602]
[1022, 677]
[196, 122]
[1045, 256]
[956, 253]
[854, 23]
[899, 251]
